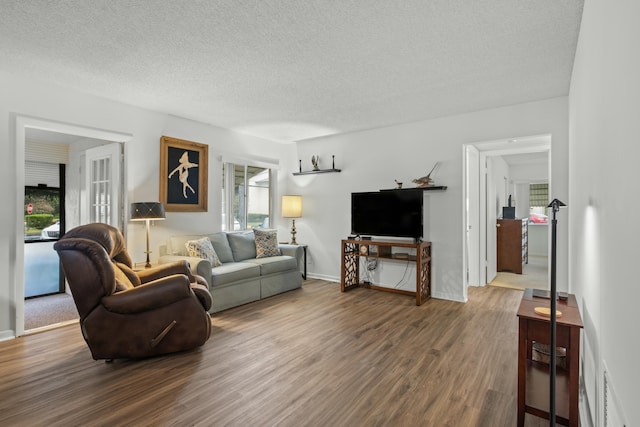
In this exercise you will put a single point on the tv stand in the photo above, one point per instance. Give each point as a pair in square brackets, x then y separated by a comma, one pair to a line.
[350, 265]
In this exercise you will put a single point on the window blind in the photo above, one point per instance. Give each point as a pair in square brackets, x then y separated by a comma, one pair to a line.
[538, 195]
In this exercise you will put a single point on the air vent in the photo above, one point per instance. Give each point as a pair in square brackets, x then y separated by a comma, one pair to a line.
[613, 416]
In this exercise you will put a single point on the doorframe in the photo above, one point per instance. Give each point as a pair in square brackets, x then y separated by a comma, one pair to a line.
[22, 123]
[516, 145]
[471, 227]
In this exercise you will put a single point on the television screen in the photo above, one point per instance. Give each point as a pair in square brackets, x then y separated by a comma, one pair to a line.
[387, 213]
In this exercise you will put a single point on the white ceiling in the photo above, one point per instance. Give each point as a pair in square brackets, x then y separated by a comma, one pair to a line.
[290, 70]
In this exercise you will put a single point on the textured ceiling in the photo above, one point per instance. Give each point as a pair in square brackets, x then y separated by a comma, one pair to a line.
[288, 70]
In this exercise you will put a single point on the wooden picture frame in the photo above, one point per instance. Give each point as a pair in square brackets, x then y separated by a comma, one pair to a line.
[183, 175]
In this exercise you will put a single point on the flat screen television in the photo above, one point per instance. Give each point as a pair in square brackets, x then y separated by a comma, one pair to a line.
[387, 213]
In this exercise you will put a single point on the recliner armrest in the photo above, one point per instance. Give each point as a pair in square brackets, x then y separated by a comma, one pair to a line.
[149, 296]
[203, 294]
[164, 270]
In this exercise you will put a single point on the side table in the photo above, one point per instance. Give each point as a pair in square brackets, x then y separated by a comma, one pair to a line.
[533, 376]
[140, 266]
[304, 251]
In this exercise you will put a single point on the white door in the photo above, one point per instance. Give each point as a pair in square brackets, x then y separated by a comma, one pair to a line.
[472, 215]
[102, 195]
[491, 217]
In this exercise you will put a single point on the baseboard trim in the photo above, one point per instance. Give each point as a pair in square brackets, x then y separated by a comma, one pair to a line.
[53, 326]
[323, 277]
[448, 296]
[7, 335]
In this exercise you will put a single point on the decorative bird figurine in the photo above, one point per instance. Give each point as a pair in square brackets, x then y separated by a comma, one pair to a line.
[425, 181]
[315, 160]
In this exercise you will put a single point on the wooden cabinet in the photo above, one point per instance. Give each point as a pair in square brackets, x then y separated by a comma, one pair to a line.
[513, 251]
[352, 250]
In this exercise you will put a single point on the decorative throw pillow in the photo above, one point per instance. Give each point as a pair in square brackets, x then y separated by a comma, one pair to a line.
[202, 248]
[266, 243]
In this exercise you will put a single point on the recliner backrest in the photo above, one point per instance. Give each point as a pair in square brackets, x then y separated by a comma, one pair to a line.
[96, 264]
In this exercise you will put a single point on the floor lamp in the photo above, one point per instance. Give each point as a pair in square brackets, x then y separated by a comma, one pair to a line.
[555, 206]
[147, 211]
[292, 208]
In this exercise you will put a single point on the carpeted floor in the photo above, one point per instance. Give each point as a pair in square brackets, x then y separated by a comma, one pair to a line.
[48, 310]
[534, 275]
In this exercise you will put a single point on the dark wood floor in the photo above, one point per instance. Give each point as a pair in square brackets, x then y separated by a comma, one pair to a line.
[310, 357]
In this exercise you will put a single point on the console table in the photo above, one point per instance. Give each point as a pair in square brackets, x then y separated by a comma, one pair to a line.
[352, 250]
[533, 376]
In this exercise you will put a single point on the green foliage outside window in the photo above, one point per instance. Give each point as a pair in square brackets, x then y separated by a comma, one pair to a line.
[39, 221]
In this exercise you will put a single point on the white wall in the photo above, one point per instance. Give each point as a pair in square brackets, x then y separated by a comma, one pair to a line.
[538, 240]
[521, 195]
[371, 160]
[532, 173]
[36, 99]
[604, 153]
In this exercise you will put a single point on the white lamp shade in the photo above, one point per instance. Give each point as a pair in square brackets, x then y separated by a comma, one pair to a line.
[291, 206]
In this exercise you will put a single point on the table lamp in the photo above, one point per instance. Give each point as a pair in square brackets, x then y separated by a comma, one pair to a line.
[147, 211]
[292, 208]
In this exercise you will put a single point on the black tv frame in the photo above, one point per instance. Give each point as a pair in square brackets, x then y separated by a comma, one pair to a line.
[388, 213]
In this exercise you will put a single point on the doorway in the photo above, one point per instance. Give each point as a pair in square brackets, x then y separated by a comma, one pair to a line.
[78, 138]
[503, 168]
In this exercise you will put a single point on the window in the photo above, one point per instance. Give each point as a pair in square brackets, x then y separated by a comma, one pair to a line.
[246, 196]
[538, 201]
[538, 195]
[44, 216]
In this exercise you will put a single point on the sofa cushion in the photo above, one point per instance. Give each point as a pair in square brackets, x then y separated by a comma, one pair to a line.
[233, 272]
[202, 248]
[274, 264]
[243, 245]
[266, 242]
[221, 246]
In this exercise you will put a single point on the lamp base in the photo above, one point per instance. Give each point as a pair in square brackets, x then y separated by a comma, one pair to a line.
[148, 264]
[293, 232]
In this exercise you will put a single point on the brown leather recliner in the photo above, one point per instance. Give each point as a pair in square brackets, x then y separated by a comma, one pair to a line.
[128, 314]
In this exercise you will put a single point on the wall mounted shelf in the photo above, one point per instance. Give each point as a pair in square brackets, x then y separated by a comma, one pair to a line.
[433, 188]
[317, 171]
[315, 161]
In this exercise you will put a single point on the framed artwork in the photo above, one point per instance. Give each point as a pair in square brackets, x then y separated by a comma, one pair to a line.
[183, 175]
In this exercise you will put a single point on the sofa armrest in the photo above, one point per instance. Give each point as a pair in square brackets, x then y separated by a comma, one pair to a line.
[295, 251]
[198, 266]
[291, 250]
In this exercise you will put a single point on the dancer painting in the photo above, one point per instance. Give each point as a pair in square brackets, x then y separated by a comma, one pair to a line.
[183, 173]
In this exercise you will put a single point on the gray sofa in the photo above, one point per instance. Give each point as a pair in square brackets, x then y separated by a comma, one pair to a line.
[242, 278]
